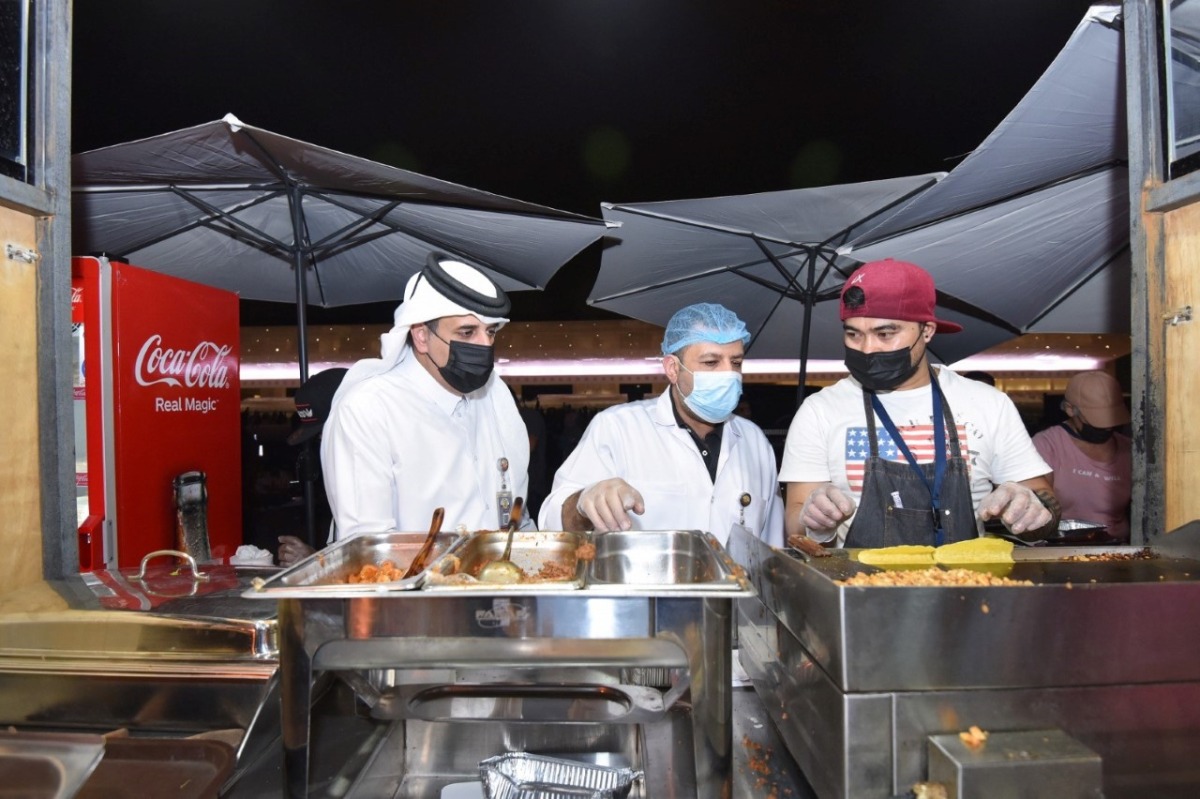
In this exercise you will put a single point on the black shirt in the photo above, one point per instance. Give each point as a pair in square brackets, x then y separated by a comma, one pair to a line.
[709, 446]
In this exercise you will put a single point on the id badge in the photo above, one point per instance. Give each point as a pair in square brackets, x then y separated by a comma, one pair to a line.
[504, 497]
[744, 502]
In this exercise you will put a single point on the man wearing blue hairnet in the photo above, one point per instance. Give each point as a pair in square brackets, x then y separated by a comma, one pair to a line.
[681, 460]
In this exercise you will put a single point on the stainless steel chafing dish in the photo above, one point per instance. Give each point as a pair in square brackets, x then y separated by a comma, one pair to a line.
[327, 572]
[532, 553]
[629, 660]
[196, 664]
[857, 678]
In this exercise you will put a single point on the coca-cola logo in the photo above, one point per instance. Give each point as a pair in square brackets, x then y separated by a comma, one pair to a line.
[204, 365]
[76, 295]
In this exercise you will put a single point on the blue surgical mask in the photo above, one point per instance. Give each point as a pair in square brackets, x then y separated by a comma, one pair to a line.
[714, 395]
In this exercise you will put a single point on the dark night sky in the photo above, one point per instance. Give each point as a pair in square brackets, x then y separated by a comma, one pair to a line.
[570, 102]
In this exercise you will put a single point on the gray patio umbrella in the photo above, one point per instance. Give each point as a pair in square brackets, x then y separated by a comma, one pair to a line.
[772, 258]
[275, 218]
[1033, 226]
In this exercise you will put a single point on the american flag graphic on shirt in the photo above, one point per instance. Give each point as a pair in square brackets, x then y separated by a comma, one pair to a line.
[919, 439]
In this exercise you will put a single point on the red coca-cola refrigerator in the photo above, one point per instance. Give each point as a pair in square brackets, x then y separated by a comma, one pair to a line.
[157, 415]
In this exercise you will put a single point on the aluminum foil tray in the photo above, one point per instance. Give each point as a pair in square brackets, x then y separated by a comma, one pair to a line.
[532, 551]
[518, 775]
[326, 573]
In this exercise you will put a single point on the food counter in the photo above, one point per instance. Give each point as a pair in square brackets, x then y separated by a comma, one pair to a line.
[186, 687]
[402, 689]
[623, 657]
[858, 678]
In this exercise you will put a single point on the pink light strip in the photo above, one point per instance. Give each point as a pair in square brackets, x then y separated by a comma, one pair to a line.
[620, 367]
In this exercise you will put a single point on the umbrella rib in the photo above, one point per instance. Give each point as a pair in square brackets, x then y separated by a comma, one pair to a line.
[843, 235]
[953, 303]
[269, 159]
[780, 295]
[220, 221]
[1119, 162]
[227, 217]
[791, 285]
[735, 268]
[1063, 297]
[432, 242]
[705, 225]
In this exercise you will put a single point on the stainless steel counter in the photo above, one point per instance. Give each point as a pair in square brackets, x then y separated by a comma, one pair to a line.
[351, 759]
[184, 657]
[857, 678]
[626, 657]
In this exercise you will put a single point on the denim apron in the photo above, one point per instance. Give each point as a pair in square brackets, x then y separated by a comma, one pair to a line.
[882, 521]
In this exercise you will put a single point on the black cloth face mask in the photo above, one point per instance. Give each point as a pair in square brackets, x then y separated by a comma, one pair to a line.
[469, 365]
[881, 371]
[1092, 435]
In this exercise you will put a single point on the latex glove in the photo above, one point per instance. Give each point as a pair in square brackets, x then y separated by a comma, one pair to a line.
[606, 504]
[292, 550]
[1017, 506]
[825, 508]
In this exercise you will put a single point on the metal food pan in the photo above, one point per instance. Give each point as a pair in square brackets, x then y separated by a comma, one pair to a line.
[46, 765]
[518, 775]
[160, 768]
[326, 572]
[457, 570]
[662, 561]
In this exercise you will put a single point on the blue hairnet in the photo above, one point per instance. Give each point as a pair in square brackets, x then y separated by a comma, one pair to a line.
[704, 321]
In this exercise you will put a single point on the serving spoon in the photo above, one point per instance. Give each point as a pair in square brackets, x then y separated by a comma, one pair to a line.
[418, 562]
[503, 570]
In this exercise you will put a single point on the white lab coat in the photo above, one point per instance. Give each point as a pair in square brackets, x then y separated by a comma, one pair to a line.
[397, 445]
[641, 443]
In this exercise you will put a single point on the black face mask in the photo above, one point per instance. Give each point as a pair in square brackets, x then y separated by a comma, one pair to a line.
[468, 367]
[1092, 435]
[881, 371]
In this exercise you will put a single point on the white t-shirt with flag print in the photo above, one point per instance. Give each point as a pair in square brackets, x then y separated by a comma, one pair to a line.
[828, 439]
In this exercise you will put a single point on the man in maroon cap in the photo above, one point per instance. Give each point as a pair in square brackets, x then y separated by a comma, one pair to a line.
[901, 452]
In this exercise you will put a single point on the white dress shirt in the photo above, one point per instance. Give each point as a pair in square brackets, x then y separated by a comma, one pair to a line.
[641, 443]
[398, 445]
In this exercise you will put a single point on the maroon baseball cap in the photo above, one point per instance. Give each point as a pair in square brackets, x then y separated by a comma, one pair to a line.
[891, 289]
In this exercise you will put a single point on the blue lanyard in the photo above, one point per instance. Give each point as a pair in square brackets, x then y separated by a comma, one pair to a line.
[939, 452]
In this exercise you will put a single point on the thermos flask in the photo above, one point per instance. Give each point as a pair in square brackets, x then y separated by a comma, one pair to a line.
[191, 515]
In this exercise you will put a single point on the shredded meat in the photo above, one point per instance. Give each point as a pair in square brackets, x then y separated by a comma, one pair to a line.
[585, 551]
[552, 570]
[1141, 554]
[930, 577]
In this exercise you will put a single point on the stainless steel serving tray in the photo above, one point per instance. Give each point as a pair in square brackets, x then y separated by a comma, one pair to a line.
[663, 561]
[640, 563]
[325, 573]
[455, 571]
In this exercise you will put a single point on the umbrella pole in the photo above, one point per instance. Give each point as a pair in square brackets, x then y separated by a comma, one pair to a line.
[809, 302]
[307, 472]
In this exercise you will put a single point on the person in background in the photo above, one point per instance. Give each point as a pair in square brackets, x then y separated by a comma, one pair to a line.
[682, 460]
[313, 400]
[1091, 458]
[428, 424]
[535, 427]
[982, 377]
[900, 452]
